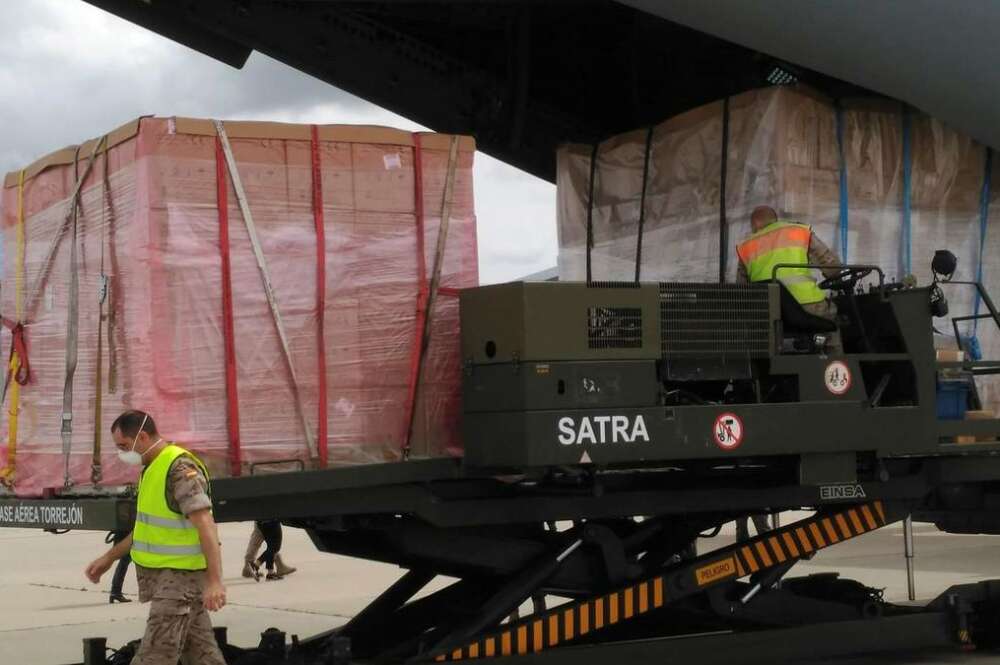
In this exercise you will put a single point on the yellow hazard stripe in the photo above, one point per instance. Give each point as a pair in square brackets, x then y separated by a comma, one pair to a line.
[776, 548]
[869, 518]
[765, 558]
[859, 528]
[844, 529]
[803, 537]
[790, 544]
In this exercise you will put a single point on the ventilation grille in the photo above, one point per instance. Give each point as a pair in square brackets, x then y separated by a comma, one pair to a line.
[614, 327]
[715, 319]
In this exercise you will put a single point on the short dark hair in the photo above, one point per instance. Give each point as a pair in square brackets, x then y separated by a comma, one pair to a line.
[128, 423]
[763, 215]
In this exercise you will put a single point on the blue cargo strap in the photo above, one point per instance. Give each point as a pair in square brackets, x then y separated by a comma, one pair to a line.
[984, 218]
[907, 168]
[843, 183]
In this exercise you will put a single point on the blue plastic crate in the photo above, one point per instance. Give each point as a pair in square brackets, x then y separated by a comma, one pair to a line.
[952, 398]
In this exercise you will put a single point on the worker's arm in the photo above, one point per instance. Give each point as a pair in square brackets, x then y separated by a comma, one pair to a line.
[214, 595]
[741, 274]
[101, 564]
[820, 254]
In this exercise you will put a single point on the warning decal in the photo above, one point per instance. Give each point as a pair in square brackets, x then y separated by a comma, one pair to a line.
[728, 431]
[715, 571]
[837, 377]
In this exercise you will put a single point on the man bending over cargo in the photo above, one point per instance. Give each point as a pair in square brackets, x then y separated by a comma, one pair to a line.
[776, 241]
[174, 544]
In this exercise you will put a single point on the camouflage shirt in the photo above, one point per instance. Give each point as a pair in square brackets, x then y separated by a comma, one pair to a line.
[819, 253]
[187, 492]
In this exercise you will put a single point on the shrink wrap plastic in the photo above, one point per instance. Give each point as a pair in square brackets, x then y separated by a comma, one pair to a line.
[783, 152]
[163, 346]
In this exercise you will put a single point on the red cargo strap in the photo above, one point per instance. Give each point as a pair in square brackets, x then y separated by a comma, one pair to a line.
[317, 191]
[427, 294]
[19, 346]
[423, 294]
[228, 333]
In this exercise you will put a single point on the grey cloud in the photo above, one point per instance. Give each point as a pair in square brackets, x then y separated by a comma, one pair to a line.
[71, 72]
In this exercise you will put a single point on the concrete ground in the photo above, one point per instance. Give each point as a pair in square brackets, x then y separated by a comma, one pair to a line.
[47, 606]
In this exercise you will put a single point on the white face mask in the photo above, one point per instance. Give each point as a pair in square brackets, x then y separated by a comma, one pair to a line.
[132, 456]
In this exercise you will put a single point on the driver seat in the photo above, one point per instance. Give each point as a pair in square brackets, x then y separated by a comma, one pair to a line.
[797, 321]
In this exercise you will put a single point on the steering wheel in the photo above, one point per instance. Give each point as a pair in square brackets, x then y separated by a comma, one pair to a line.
[845, 280]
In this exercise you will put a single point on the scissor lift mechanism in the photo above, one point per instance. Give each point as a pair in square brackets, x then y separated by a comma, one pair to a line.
[732, 605]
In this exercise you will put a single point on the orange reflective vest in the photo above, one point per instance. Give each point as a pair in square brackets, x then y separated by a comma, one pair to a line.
[778, 243]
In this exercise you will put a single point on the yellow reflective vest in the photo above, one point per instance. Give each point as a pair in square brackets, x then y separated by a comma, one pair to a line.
[162, 538]
[777, 243]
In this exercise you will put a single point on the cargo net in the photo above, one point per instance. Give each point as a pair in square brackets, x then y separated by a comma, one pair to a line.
[715, 319]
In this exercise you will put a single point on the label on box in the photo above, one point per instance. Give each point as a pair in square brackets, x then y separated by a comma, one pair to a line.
[392, 161]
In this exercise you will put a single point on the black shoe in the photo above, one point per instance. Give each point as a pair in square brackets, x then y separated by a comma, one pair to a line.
[118, 598]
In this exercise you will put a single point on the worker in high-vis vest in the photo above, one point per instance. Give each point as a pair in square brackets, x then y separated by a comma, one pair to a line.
[775, 241]
[174, 545]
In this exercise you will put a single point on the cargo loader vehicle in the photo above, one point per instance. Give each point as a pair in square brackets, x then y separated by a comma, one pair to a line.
[609, 425]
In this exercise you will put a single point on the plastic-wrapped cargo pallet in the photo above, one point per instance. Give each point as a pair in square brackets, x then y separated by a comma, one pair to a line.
[347, 222]
[879, 183]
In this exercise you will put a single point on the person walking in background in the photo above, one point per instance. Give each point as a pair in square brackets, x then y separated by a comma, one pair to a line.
[250, 557]
[118, 581]
[271, 531]
[251, 563]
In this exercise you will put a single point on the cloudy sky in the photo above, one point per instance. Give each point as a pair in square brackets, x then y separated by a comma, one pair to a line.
[72, 71]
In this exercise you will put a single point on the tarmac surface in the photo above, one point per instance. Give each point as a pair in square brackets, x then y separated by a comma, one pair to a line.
[47, 606]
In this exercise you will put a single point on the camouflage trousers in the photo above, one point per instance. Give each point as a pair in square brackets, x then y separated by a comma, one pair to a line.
[823, 308]
[178, 630]
[827, 310]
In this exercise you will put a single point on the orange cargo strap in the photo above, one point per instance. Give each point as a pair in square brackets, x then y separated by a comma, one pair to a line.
[228, 332]
[318, 218]
[426, 294]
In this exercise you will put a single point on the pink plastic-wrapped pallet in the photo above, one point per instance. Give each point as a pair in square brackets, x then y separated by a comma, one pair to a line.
[158, 262]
